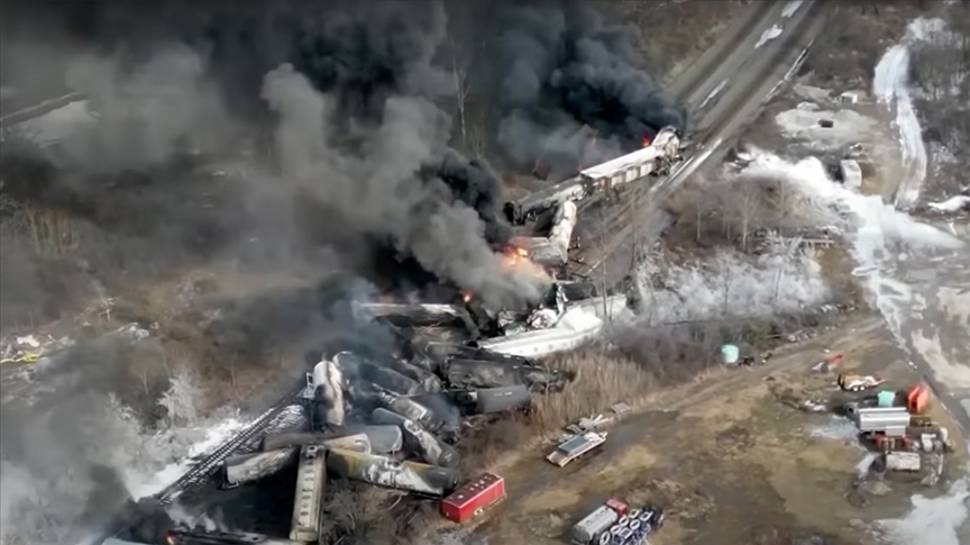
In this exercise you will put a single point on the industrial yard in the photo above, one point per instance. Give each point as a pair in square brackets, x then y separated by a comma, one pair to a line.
[670, 273]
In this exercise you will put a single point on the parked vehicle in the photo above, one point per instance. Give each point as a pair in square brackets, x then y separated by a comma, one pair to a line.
[573, 448]
[592, 526]
[616, 524]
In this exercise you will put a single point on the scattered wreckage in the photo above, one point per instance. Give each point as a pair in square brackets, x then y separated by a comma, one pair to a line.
[614, 523]
[390, 419]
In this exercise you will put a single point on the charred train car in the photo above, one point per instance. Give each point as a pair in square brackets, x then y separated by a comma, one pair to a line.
[654, 159]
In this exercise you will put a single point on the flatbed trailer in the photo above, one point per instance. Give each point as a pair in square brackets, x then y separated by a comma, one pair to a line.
[573, 448]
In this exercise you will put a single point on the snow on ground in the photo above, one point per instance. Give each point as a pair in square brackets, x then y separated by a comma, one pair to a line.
[838, 428]
[768, 35]
[56, 125]
[953, 204]
[918, 278]
[147, 476]
[790, 8]
[883, 240]
[802, 123]
[46, 496]
[780, 280]
[890, 85]
[941, 520]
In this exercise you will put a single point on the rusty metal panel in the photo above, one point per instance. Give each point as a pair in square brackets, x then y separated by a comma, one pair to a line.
[311, 482]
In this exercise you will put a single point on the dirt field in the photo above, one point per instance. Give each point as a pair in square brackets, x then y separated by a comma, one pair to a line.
[728, 457]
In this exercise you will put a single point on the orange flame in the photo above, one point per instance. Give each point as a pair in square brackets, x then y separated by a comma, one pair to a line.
[646, 140]
[515, 260]
[466, 296]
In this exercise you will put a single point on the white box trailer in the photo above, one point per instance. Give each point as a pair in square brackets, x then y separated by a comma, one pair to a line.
[593, 525]
[881, 419]
[903, 461]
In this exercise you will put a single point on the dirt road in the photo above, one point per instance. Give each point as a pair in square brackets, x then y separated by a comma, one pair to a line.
[727, 455]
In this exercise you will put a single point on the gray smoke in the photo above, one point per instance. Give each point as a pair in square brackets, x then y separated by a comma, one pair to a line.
[385, 189]
[146, 112]
[576, 91]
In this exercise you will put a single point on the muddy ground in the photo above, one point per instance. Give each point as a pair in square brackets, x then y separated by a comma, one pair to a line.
[729, 457]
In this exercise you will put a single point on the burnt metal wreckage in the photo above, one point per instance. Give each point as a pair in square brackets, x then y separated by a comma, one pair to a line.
[391, 419]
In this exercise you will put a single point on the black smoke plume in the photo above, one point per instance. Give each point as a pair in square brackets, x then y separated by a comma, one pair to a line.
[575, 90]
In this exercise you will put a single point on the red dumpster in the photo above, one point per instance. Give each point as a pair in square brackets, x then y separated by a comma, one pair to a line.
[473, 498]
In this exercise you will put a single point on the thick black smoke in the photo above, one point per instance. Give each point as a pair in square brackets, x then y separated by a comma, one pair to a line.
[352, 98]
[328, 124]
[474, 183]
[575, 90]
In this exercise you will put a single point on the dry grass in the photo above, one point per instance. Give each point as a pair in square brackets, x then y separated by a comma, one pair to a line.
[600, 380]
[52, 231]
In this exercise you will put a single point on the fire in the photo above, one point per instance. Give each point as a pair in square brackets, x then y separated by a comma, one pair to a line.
[514, 255]
[646, 140]
[466, 296]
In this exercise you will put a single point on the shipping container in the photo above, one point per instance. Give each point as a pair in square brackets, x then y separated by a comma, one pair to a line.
[471, 499]
[882, 418]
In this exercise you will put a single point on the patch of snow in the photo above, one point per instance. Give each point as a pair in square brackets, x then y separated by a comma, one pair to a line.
[836, 428]
[953, 204]
[909, 298]
[28, 340]
[941, 520]
[957, 374]
[58, 480]
[802, 123]
[768, 35]
[812, 93]
[714, 92]
[56, 125]
[146, 477]
[790, 8]
[777, 281]
[862, 468]
[891, 83]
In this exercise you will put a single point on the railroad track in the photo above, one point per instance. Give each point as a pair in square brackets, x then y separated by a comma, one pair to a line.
[210, 463]
[618, 227]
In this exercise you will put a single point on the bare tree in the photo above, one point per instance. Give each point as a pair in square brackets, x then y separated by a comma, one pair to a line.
[460, 77]
[746, 205]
